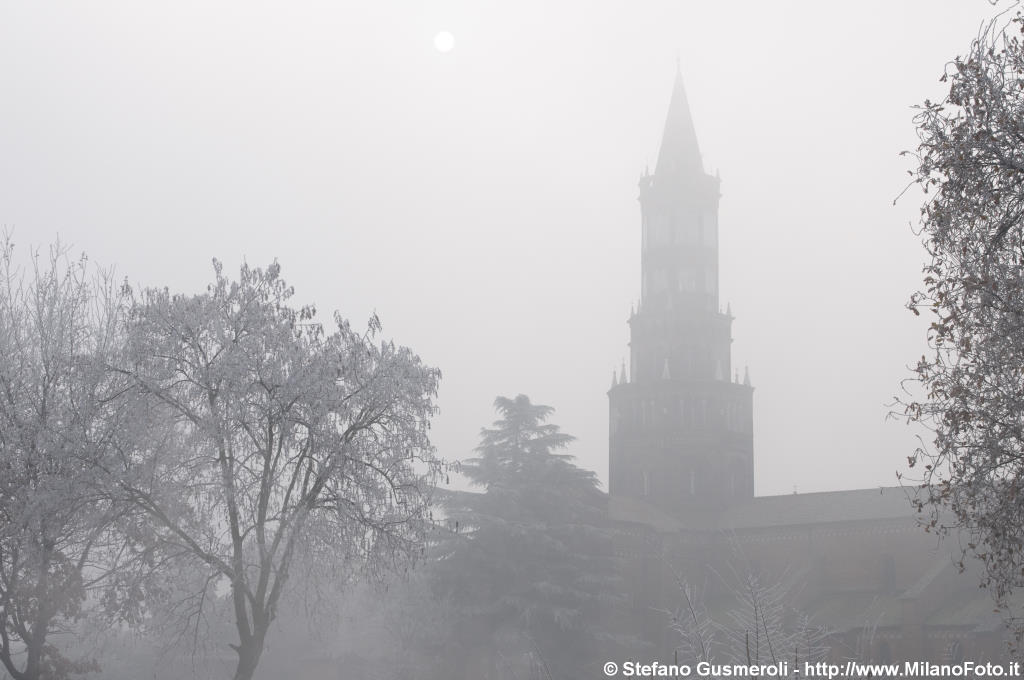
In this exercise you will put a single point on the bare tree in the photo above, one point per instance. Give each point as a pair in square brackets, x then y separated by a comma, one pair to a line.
[57, 538]
[970, 162]
[760, 623]
[281, 446]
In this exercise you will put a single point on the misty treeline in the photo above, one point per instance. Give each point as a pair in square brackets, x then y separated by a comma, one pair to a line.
[219, 485]
[526, 580]
[195, 484]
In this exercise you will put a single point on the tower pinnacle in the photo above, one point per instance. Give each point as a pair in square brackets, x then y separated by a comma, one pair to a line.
[679, 154]
[678, 423]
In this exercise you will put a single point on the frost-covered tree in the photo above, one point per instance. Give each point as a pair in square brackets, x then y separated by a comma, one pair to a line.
[970, 161]
[58, 325]
[759, 624]
[533, 567]
[294, 452]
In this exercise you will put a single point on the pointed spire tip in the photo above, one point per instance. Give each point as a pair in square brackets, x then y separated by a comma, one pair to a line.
[679, 153]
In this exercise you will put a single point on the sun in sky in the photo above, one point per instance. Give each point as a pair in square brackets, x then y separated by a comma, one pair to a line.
[444, 42]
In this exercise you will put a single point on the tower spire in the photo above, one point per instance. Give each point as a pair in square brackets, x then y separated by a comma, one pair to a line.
[679, 153]
[679, 347]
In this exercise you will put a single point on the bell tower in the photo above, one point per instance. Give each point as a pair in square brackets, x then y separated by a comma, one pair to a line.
[681, 421]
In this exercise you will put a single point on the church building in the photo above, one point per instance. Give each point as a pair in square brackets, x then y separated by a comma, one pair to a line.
[681, 470]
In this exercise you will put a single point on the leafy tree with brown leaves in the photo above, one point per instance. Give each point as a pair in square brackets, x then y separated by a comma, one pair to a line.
[970, 163]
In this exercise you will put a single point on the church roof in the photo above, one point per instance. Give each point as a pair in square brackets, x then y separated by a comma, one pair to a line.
[967, 607]
[679, 154]
[763, 512]
[820, 508]
[842, 611]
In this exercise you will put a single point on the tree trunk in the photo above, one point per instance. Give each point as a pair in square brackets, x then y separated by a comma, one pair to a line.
[34, 645]
[34, 652]
[248, 659]
[249, 654]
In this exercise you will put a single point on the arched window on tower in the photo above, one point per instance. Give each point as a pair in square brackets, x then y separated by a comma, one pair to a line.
[660, 231]
[645, 481]
[688, 230]
[660, 281]
[686, 280]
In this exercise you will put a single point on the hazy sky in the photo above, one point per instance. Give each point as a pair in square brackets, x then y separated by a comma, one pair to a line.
[483, 201]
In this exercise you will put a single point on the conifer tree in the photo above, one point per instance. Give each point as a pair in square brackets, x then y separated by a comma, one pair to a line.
[532, 563]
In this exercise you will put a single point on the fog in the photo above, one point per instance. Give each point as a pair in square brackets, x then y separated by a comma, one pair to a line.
[478, 192]
[483, 201]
